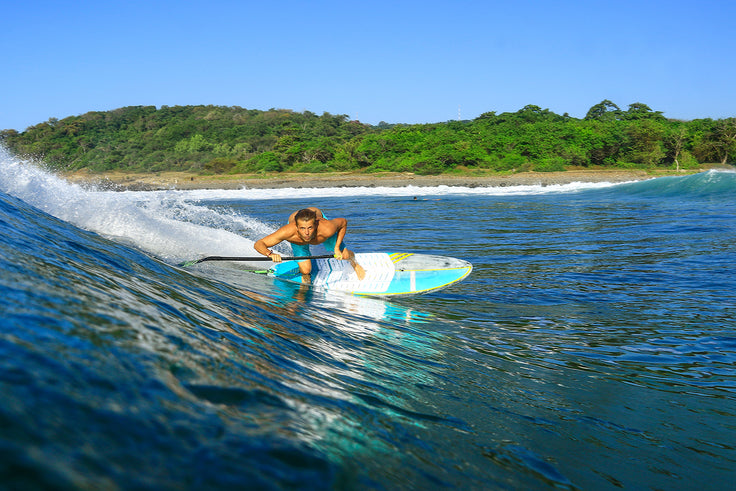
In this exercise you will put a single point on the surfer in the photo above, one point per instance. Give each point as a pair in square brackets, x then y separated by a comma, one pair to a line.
[306, 227]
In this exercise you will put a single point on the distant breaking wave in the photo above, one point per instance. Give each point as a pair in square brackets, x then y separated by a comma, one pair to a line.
[717, 182]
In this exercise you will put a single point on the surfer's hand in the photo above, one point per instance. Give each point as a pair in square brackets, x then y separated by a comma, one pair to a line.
[275, 257]
[338, 255]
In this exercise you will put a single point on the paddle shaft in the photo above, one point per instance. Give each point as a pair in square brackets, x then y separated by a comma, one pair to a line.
[256, 258]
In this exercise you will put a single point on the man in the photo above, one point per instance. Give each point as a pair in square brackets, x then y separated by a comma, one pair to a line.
[306, 227]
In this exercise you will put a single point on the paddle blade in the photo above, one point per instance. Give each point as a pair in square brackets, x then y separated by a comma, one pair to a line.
[188, 263]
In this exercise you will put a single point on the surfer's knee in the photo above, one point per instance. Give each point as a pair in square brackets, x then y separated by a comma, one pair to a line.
[305, 268]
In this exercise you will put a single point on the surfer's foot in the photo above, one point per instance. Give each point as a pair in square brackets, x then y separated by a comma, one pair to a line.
[359, 271]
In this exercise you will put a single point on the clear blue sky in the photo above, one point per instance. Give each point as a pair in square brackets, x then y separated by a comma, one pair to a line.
[394, 61]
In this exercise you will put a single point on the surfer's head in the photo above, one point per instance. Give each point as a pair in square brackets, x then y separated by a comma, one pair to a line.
[305, 214]
[306, 224]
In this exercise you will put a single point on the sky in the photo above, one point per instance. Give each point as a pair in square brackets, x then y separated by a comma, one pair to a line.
[394, 61]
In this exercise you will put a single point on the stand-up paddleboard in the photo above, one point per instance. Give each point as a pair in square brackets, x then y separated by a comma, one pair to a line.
[397, 273]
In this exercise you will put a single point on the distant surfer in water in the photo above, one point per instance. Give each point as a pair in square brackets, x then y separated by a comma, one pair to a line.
[306, 227]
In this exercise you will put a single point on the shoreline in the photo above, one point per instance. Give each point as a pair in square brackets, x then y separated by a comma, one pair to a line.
[120, 181]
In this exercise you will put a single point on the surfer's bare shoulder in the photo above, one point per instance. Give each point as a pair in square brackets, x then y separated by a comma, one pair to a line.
[288, 232]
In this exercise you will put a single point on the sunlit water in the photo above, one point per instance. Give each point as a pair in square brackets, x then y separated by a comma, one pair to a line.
[592, 347]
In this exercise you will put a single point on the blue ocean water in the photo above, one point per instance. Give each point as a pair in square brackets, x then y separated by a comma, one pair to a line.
[592, 347]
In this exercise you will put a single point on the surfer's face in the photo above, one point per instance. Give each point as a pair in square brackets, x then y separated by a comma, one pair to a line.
[307, 229]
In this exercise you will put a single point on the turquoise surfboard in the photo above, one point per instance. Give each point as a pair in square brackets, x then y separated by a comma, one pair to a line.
[395, 273]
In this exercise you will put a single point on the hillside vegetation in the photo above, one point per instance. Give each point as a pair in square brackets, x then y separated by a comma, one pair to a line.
[219, 140]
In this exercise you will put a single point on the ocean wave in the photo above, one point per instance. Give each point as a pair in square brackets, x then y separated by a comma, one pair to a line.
[168, 225]
[593, 343]
[712, 183]
[390, 191]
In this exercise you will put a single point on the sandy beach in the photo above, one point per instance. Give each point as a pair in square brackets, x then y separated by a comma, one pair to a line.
[183, 180]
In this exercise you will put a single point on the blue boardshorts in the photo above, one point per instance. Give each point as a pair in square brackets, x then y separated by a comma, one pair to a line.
[303, 250]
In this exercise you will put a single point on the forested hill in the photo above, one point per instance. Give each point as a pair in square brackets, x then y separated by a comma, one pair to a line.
[217, 139]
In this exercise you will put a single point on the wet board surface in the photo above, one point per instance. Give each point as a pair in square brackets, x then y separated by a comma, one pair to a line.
[396, 273]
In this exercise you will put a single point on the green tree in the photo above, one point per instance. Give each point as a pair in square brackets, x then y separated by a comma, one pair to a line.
[639, 110]
[217, 139]
[604, 111]
[724, 137]
[645, 143]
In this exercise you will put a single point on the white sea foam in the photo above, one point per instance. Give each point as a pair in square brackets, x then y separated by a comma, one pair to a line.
[406, 191]
[167, 224]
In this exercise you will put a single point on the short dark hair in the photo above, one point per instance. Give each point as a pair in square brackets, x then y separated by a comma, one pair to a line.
[305, 214]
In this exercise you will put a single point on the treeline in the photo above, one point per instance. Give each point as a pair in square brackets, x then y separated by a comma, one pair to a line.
[217, 139]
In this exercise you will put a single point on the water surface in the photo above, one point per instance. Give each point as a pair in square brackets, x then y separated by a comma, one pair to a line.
[592, 347]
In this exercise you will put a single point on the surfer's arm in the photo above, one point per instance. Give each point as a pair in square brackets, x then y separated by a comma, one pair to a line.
[341, 225]
[263, 245]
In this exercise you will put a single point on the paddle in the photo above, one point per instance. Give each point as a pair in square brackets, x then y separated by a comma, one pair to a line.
[256, 258]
